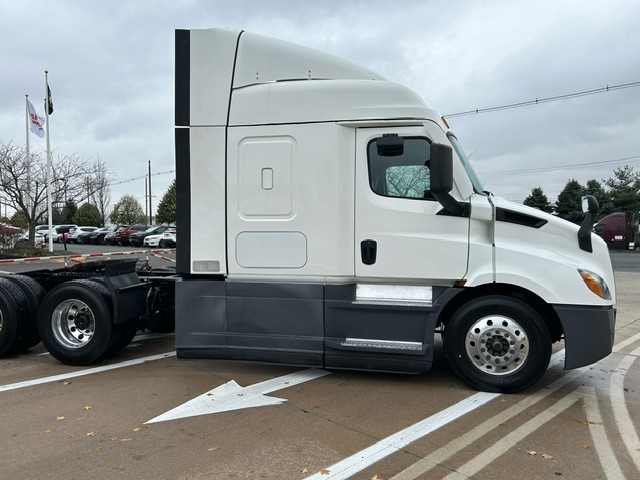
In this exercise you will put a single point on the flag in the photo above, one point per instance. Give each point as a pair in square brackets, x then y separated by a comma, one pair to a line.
[36, 121]
[50, 102]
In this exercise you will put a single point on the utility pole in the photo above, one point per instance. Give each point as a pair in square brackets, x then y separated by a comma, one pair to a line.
[146, 199]
[150, 209]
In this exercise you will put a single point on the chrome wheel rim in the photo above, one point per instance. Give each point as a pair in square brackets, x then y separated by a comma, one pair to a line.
[497, 345]
[73, 323]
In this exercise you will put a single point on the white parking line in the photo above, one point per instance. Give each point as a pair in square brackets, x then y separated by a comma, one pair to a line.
[601, 442]
[455, 446]
[621, 412]
[81, 373]
[385, 447]
[508, 441]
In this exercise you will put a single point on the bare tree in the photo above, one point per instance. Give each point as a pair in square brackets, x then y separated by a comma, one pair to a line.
[101, 196]
[23, 178]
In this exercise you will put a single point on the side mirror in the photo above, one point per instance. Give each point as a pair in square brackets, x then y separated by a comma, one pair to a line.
[441, 174]
[590, 204]
[441, 166]
[390, 145]
[590, 207]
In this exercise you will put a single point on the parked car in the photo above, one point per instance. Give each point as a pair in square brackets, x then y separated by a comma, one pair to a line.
[113, 238]
[97, 237]
[9, 237]
[162, 240]
[75, 233]
[123, 235]
[22, 241]
[89, 237]
[58, 231]
[136, 239]
[168, 240]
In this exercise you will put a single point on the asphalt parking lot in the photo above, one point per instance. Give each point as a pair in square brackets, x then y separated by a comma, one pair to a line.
[148, 415]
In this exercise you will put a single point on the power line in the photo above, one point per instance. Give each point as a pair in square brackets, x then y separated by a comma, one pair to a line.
[537, 101]
[140, 178]
[634, 158]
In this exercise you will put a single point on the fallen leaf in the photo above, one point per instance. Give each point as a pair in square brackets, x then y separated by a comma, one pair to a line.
[532, 452]
[87, 407]
[547, 456]
[324, 471]
[91, 434]
[59, 418]
[240, 394]
[304, 470]
[375, 477]
[67, 383]
[213, 449]
[137, 429]
[585, 446]
[126, 439]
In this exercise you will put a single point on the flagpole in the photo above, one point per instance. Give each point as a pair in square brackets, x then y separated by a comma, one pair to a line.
[26, 121]
[26, 132]
[46, 113]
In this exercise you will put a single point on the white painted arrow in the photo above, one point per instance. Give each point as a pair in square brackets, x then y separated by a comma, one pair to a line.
[232, 396]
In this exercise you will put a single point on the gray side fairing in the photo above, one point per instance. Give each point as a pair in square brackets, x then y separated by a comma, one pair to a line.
[303, 324]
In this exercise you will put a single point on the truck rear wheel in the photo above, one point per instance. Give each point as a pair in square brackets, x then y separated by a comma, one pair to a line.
[13, 308]
[75, 322]
[497, 344]
[34, 294]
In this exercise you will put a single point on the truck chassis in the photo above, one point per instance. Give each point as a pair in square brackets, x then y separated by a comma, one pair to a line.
[84, 313]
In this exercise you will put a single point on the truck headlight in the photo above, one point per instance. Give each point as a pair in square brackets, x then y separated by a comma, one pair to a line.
[595, 283]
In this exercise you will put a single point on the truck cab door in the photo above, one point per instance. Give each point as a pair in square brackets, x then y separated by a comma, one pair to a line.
[402, 233]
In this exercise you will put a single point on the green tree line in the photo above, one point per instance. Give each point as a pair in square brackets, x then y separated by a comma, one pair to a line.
[619, 193]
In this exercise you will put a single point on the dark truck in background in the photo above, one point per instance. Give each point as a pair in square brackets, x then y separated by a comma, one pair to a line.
[618, 230]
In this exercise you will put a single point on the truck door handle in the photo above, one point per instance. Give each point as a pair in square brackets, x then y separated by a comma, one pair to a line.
[368, 251]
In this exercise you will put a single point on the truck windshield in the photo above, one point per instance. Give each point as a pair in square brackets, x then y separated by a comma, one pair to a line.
[473, 176]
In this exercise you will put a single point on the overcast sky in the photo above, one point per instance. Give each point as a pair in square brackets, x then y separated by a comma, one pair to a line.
[111, 75]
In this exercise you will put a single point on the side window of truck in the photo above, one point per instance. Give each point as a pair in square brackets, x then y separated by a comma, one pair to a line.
[401, 176]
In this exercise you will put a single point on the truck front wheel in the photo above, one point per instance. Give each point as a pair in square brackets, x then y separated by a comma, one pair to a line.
[75, 322]
[497, 344]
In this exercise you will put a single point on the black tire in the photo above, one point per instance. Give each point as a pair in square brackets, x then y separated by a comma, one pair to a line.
[76, 322]
[13, 317]
[122, 336]
[162, 244]
[520, 347]
[34, 294]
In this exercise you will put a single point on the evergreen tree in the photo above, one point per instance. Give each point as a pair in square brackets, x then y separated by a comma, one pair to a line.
[128, 211]
[569, 203]
[595, 188]
[87, 214]
[166, 212]
[539, 200]
[68, 211]
[623, 188]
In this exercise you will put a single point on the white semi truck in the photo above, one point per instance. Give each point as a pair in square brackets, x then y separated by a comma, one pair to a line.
[329, 217]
